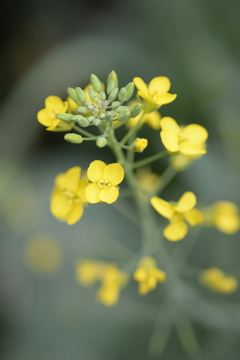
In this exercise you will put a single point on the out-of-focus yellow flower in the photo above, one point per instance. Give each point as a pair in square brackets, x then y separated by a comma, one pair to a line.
[151, 119]
[216, 280]
[147, 179]
[224, 215]
[68, 196]
[89, 271]
[139, 145]
[43, 254]
[113, 280]
[180, 162]
[156, 93]
[104, 180]
[188, 140]
[46, 117]
[148, 275]
[72, 105]
[178, 213]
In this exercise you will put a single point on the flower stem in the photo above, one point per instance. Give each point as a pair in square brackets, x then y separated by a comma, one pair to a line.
[149, 160]
[82, 132]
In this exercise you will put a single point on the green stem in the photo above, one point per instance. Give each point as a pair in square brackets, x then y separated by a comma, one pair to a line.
[166, 178]
[149, 160]
[82, 132]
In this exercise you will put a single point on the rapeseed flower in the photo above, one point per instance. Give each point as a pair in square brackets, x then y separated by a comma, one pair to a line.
[147, 179]
[148, 275]
[188, 140]
[68, 196]
[139, 145]
[178, 213]
[54, 105]
[216, 280]
[89, 271]
[104, 180]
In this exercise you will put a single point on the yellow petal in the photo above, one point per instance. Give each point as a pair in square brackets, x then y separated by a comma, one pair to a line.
[160, 84]
[54, 125]
[140, 274]
[92, 193]
[59, 205]
[75, 213]
[159, 275]
[162, 207]
[194, 217]
[109, 195]
[95, 171]
[153, 120]
[72, 178]
[46, 117]
[114, 173]
[228, 224]
[165, 99]
[186, 202]
[190, 148]
[195, 133]
[80, 192]
[168, 123]
[143, 288]
[59, 126]
[140, 85]
[60, 181]
[176, 231]
[56, 104]
[170, 140]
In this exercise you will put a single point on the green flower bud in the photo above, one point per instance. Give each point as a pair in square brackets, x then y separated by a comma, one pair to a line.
[82, 121]
[73, 95]
[109, 115]
[82, 110]
[111, 86]
[90, 119]
[113, 95]
[64, 117]
[101, 142]
[130, 90]
[92, 94]
[102, 95]
[73, 138]
[112, 76]
[97, 122]
[123, 108]
[81, 94]
[124, 115]
[135, 111]
[115, 104]
[96, 83]
[122, 95]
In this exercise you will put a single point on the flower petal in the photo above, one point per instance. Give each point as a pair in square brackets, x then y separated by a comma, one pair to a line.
[165, 99]
[60, 181]
[160, 84]
[162, 207]
[95, 171]
[194, 217]
[170, 140]
[168, 123]
[109, 195]
[92, 193]
[186, 202]
[75, 213]
[153, 120]
[175, 231]
[46, 117]
[56, 104]
[59, 205]
[114, 173]
[190, 148]
[141, 86]
[72, 178]
[195, 133]
[80, 192]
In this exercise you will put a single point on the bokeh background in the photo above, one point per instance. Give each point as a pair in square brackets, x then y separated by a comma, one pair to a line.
[47, 46]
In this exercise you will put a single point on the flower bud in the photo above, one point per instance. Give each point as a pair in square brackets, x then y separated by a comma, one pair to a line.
[64, 117]
[101, 142]
[130, 90]
[97, 122]
[112, 76]
[124, 115]
[109, 115]
[73, 95]
[139, 145]
[114, 94]
[123, 108]
[73, 138]
[82, 121]
[96, 83]
[111, 86]
[115, 104]
[122, 95]
[82, 110]
[135, 111]
[92, 94]
[90, 119]
[102, 95]
[81, 94]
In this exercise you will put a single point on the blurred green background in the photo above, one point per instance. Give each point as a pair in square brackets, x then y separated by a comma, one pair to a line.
[49, 45]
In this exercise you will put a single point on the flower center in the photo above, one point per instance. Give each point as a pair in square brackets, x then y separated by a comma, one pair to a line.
[104, 184]
[71, 196]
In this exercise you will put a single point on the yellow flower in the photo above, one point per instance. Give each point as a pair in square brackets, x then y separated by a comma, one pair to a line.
[156, 93]
[88, 271]
[53, 105]
[188, 140]
[224, 215]
[104, 180]
[178, 213]
[152, 119]
[72, 105]
[68, 196]
[147, 179]
[180, 162]
[43, 254]
[216, 280]
[139, 145]
[148, 275]
[113, 280]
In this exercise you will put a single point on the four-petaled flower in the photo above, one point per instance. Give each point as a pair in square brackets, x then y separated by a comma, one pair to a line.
[216, 280]
[46, 117]
[148, 275]
[68, 196]
[104, 180]
[188, 140]
[177, 213]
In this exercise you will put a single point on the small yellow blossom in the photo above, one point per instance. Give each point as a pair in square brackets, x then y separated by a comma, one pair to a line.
[43, 254]
[104, 180]
[148, 275]
[139, 145]
[54, 105]
[147, 179]
[224, 215]
[188, 140]
[178, 213]
[68, 196]
[156, 93]
[89, 271]
[216, 280]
